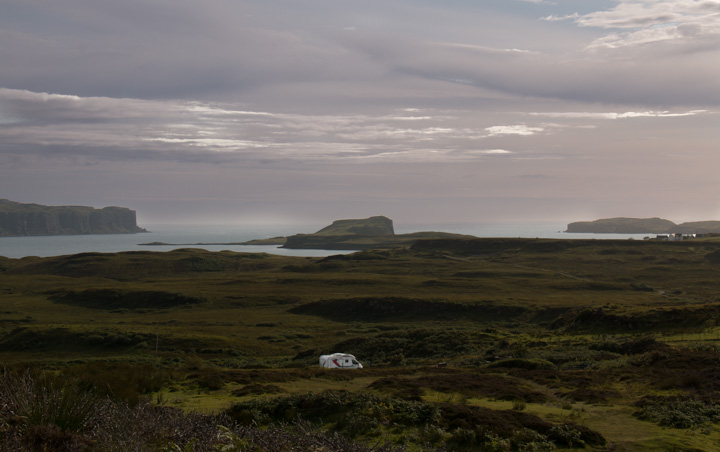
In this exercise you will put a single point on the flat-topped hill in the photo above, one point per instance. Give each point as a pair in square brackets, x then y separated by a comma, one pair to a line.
[378, 225]
[18, 219]
[355, 234]
[623, 225]
[360, 234]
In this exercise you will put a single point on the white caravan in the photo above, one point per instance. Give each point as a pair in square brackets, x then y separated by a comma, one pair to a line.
[339, 361]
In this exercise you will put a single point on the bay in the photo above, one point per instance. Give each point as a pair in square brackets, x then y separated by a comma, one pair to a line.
[57, 245]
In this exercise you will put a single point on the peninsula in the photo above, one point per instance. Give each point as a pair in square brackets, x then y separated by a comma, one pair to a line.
[18, 219]
[622, 225]
[353, 234]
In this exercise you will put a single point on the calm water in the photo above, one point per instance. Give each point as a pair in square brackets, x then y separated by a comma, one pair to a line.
[16, 247]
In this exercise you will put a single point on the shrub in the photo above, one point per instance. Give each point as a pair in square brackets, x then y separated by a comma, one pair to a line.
[46, 402]
[121, 381]
[347, 412]
[522, 363]
[520, 440]
[439, 344]
[679, 413]
[630, 347]
[567, 436]
[518, 405]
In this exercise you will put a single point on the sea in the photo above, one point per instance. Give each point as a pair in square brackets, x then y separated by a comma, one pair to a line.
[207, 236]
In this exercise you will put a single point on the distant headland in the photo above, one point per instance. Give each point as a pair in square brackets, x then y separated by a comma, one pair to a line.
[354, 234]
[622, 225]
[18, 219]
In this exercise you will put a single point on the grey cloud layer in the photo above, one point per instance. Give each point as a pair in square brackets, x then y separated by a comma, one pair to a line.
[221, 50]
[174, 130]
[178, 130]
[452, 106]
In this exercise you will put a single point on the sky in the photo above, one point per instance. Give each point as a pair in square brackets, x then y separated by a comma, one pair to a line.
[307, 111]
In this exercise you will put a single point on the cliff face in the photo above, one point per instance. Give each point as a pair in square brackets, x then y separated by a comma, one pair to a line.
[643, 226]
[622, 226]
[18, 219]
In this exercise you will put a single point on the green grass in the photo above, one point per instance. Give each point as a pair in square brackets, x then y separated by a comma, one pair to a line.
[575, 331]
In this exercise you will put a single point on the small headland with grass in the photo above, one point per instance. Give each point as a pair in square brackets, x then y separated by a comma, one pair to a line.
[467, 344]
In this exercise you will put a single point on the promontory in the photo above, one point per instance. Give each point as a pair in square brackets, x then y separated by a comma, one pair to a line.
[622, 225]
[18, 219]
[360, 234]
[355, 234]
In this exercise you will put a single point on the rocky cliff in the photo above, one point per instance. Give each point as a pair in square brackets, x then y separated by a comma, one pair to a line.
[17, 219]
[622, 226]
[643, 226]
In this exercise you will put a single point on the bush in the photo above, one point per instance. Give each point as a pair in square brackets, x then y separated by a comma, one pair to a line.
[39, 413]
[121, 381]
[420, 344]
[631, 347]
[679, 413]
[48, 402]
[349, 413]
[519, 440]
[522, 363]
[518, 405]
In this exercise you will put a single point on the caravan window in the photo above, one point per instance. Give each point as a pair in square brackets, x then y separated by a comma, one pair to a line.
[355, 362]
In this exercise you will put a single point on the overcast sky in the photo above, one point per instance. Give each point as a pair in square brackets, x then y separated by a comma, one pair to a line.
[426, 111]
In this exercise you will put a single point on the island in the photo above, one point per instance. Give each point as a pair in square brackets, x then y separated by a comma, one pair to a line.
[623, 225]
[19, 219]
[352, 234]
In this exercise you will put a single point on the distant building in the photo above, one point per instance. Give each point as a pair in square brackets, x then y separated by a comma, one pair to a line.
[675, 237]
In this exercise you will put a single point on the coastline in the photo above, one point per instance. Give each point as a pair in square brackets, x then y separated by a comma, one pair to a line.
[228, 237]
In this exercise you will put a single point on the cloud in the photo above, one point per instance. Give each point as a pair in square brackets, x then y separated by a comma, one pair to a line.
[101, 128]
[663, 76]
[652, 21]
[520, 129]
[332, 102]
[491, 152]
[405, 53]
[612, 115]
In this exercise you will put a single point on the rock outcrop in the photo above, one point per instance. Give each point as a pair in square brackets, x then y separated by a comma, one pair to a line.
[17, 219]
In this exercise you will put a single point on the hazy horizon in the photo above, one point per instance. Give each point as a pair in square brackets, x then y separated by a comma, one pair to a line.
[303, 112]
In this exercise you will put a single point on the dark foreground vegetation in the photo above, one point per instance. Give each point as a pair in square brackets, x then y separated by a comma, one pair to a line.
[478, 344]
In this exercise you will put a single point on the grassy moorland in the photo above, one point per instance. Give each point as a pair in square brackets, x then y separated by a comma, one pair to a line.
[545, 344]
